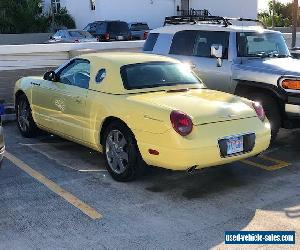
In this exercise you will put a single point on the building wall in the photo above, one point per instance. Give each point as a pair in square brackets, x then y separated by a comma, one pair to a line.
[151, 11]
[229, 8]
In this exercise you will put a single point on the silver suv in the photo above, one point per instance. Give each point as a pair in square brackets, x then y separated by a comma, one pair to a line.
[246, 60]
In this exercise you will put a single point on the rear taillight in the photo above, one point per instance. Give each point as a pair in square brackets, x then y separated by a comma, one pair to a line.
[259, 110]
[181, 123]
[106, 36]
[146, 33]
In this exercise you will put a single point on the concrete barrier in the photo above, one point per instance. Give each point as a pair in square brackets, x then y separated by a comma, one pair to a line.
[28, 56]
[288, 39]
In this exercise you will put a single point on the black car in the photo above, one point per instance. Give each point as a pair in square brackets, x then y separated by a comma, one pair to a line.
[109, 30]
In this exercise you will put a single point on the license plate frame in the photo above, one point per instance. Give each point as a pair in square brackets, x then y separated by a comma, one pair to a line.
[235, 145]
[120, 38]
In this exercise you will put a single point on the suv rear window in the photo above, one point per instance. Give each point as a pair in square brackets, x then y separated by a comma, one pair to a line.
[156, 74]
[150, 42]
[139, 27]
[198, 43]
[117, 27]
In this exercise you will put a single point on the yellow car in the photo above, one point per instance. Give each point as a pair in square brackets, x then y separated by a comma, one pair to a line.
[139, 108]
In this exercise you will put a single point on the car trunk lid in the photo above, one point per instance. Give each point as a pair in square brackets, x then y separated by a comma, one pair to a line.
[202, 105]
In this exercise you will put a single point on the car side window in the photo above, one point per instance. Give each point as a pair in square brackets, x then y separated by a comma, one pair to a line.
[183, 43]
[63, 34]
[56, 35]
[205, 39]
[100, 76]
[100, 28]
[76, 73]
[150, 42]
[88, 27]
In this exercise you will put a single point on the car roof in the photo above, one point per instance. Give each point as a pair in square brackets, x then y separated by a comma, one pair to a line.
[137, 23]
[172, 29]
[112, 63]
[109, 21]
[120, 59]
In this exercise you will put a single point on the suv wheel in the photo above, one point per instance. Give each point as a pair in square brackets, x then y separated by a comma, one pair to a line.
[25, 120]
[272, 110]
[123, 159]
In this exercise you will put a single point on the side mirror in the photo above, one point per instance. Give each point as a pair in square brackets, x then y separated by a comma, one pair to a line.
[50, 76]
[217, 52]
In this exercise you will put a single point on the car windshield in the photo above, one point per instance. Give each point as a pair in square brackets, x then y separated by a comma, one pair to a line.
[254, 44]
[118, 27]
[157, 74]
[80, 33]
[139, 27]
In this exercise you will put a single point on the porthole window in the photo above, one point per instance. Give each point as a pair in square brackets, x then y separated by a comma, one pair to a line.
[100, 75]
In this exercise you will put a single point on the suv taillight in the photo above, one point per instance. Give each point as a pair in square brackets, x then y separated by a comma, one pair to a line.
[259, 110]
[106, 36]
[146, 33]
[181, 123]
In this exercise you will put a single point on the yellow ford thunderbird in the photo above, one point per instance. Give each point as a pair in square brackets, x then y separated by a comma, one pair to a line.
[138, 108]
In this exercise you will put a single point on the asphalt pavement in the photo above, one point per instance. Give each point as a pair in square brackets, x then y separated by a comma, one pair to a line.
[57, 195]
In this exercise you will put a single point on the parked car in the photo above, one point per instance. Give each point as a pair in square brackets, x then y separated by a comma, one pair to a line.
[109, 30]
[138, 108]
[72, 36]
[139, 31]
[252, 62]
[2, 145]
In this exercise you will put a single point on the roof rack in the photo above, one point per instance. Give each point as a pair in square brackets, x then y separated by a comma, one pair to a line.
[209, 19]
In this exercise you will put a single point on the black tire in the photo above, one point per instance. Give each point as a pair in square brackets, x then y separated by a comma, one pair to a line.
[26, 124]
[272, 110]
[133, 166]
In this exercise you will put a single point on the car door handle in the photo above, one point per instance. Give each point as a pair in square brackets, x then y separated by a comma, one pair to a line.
[35, 84]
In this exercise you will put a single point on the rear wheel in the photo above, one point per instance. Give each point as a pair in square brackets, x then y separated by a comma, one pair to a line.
[272, 111]
[123, 160]
[25, 120]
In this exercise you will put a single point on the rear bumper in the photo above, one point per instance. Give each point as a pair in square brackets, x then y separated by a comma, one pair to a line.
[203, 150]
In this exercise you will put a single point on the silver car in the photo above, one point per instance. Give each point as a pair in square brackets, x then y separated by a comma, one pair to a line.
[72, 36]
[2, 145]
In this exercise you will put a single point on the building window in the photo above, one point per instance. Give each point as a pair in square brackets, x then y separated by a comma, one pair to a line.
[93, 4]
[55, 5]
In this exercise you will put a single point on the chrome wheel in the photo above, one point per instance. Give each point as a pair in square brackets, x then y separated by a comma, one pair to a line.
[117, 151]
[23, 115]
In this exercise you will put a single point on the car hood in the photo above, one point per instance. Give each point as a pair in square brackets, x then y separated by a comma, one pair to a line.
[202, 105]
[278, 66]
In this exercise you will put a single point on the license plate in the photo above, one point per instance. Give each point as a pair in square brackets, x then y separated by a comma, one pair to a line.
[120, 37]
[235, 145]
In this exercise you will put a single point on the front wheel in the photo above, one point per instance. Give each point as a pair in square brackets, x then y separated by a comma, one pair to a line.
[123, 160]
[25, 120]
